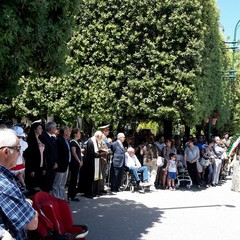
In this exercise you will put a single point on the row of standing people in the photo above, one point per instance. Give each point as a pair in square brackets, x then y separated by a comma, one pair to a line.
[54, 160]
[48, 159]
[191, 154]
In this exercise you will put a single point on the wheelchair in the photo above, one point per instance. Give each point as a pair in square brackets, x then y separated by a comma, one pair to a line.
[128, 181]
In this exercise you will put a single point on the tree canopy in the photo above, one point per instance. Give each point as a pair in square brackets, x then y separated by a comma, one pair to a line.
[136, 60]
[33, 38]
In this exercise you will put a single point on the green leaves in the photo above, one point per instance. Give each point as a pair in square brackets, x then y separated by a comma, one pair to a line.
[33, 36]
[128, 61]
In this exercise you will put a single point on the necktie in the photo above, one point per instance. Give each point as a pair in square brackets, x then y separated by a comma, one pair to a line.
[53, 139]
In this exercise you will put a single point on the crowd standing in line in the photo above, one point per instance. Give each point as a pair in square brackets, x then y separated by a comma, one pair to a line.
[57, 157]
[53, 158]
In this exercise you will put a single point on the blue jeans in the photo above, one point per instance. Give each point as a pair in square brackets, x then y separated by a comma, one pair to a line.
[142, 170]
[210, 173]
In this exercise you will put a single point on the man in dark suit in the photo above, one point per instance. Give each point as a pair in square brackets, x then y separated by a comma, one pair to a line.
[63, 159]
[48, 138]
[118, 161]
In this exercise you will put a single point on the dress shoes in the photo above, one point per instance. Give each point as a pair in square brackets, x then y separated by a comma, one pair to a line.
[74, 199]
[103, 191]
[88, 196]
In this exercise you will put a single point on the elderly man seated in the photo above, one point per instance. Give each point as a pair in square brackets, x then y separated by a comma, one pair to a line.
[132, 162]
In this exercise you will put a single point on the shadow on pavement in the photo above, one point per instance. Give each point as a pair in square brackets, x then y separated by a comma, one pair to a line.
[114, 219]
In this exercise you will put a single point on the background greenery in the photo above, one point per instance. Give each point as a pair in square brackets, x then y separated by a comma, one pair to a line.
[122, 62]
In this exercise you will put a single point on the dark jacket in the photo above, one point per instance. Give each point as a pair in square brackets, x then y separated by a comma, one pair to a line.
[118, 154]
[33, 156]
[50, 149]
[63, 153]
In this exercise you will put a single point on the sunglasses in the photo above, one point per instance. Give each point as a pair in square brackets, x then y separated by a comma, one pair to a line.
[17, 148]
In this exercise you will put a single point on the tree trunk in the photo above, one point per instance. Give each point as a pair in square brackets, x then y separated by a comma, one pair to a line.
[167, 125]
[198, 130]
[187, 131]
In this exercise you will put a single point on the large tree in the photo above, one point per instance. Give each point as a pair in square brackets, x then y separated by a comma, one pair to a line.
[137, 60]
[33, 40]
[212, 87]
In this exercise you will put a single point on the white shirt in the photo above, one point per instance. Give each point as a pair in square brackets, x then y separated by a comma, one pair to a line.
[172, 166]
[24, 146]
[132, 161]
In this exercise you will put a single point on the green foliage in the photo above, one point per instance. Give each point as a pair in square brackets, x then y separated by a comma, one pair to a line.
[136, 60]
[153, 126]
[33, 38]
[212, 87]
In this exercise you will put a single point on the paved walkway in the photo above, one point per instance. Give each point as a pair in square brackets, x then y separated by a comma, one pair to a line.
[209, 214]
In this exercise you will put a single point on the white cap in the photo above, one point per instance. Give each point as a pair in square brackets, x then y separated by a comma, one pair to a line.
[217, 139]
[19, 131]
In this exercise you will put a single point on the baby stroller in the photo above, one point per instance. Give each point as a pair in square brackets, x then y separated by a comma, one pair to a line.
[55, 219]
[183, 176]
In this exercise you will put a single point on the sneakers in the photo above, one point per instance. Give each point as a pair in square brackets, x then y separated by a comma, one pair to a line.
[144, 184]
[140, 184]
[172, 188]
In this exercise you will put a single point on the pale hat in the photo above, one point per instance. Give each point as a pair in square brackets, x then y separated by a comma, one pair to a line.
[217, 139]
[104, 127]
[19, 131]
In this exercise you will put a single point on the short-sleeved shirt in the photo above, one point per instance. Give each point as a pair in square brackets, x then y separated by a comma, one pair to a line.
[172, 166]
[15, 211]
[73, 143]
[191, 153]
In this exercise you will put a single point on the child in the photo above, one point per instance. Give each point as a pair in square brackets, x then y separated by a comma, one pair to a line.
[20, 168]
[172, 171]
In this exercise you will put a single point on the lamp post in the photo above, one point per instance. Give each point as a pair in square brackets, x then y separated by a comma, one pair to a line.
[234, 47]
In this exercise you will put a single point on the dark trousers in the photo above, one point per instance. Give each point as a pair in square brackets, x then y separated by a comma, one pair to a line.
[34, 182]
[48, 179]
[116, 176]
[74, 168]
[193, 172]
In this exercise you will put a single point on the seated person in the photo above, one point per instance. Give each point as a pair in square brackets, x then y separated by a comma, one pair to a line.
[132, 162]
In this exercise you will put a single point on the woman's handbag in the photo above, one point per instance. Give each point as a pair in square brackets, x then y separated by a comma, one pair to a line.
[160, 161]
[205, 162]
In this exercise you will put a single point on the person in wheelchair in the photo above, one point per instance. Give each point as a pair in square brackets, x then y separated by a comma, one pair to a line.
[132, 162]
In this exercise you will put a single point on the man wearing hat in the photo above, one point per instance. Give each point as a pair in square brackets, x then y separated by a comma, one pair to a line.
[104, 146]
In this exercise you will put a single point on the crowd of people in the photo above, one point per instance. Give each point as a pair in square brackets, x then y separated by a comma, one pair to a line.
[64, 162]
